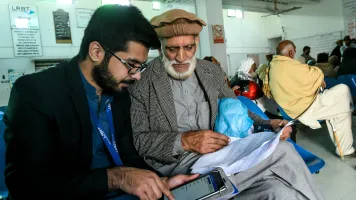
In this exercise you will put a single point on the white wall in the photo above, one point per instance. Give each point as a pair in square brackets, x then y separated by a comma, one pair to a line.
[50, 48]
[211, 12]
[249, 36]
[313, 19]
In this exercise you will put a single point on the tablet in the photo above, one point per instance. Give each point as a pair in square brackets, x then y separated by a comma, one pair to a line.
[213, 185]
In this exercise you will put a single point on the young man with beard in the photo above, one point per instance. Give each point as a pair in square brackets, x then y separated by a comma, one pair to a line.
[68, 129]
[173, 111]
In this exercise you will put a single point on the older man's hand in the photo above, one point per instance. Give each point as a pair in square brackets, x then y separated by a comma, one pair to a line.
[204, 141]
[286, 132]
[278, 124]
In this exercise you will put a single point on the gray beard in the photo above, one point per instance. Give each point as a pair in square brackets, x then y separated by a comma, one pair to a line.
[168, 65]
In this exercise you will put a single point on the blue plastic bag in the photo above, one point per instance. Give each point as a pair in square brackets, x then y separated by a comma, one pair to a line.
[232, 119]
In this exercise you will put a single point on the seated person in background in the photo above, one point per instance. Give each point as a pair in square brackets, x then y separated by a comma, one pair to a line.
[323, 64]
[311, 62]
[213, 60]
[347, 44]
[306, 54]
[269, 106]
[61, 123]
[246, 71]
[353, 43]
[261, 70]
[334, 62]
[246, 80]
[173, 112]
[348, 65]
[336, 51]
[298, 93]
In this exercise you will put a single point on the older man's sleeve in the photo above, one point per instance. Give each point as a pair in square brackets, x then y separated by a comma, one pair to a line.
[225, 90]
[160, 145]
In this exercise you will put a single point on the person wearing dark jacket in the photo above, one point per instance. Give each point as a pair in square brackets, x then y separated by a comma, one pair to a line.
[348, 65]
[68, 130]
[323, 64]
[336, 51]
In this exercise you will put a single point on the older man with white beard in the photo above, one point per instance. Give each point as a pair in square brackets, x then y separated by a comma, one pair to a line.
[173, 111]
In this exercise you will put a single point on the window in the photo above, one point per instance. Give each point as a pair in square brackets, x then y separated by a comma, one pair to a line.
[156, 5]
[65, 1]
[235, 13]
[231, 13]
[120, 2]
[239, 14]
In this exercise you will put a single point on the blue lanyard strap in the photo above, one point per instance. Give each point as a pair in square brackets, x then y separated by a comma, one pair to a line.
[111, 145]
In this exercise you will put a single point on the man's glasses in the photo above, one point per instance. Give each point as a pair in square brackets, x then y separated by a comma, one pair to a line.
[132, 68]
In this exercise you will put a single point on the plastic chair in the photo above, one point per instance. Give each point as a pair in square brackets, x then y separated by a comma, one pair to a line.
[284, 114]
[349, 80]
[3, 189]
[331, 82]
[313, 162]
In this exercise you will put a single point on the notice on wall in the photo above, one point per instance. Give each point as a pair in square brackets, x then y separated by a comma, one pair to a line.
[14, 75]
[187, 5]
[218, 34]
[349, 10]
[326, 43]
[351, 27]
[23, 16]
[62, 26]
[27, 42]
[83, 16]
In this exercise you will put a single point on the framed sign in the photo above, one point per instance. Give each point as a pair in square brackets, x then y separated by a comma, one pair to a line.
[23, 16]
[62, 27]
[218, 34]
[27, 42]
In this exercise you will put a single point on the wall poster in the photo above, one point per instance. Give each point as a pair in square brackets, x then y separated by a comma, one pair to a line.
[27, 42]
[218, 34]
[23, 16]
[83, 16]
[62, 27]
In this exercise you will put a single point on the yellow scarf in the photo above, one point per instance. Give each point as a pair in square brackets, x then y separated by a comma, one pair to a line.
[292, 84]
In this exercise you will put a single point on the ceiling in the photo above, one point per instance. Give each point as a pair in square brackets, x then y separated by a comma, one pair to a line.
[261, 5]
[251, 5]
[234, 2]
[237, 2]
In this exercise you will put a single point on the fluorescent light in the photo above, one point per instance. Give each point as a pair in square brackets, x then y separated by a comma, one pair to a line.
[156, 5]
[239, 14]
[231, 13]
[21, 23]
[65, 1]
[120, 2]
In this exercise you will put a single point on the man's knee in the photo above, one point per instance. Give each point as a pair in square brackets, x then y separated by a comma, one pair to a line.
[287, 151]
[278, 190]
[270, 189]
[342, 89]
[286, 147]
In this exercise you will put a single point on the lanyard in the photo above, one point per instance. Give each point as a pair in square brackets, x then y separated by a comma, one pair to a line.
[111, 145]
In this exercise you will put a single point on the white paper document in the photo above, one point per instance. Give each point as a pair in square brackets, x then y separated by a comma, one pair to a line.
[240, 154]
